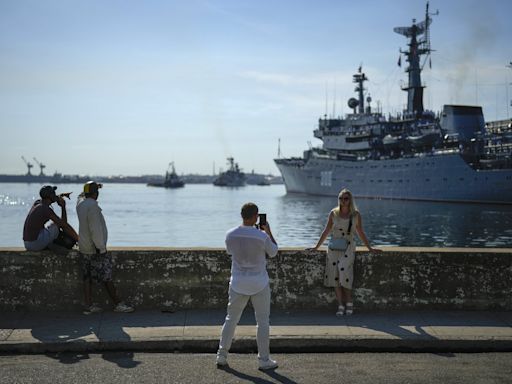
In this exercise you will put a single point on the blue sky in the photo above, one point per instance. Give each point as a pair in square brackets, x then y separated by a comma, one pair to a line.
[123, 87]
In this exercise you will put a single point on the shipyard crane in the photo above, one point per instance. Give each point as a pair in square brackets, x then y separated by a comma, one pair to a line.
[41, 166]
[29, 166]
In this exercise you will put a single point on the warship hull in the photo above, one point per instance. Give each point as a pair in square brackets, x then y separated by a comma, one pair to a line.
[438, 177]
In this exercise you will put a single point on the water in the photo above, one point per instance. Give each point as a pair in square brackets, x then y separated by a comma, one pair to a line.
[199, 215]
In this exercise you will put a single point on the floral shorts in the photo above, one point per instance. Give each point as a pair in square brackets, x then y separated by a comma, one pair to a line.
[97, 267]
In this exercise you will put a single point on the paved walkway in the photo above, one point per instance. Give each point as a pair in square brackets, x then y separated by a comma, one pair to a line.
[297, 331]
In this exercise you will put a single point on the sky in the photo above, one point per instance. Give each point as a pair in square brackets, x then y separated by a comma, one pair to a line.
[123, 87]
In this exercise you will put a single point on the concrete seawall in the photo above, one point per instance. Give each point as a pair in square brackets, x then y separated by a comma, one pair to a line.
[174, 278]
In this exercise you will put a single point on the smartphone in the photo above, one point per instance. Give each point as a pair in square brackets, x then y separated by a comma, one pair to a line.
[263, 220]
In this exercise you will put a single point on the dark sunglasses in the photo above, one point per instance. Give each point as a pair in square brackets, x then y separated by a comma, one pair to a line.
[344, 198]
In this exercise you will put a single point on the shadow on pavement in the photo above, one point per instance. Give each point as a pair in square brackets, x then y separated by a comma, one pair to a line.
[245, 376]
[121, 359]
[68, 357]
[278, 377]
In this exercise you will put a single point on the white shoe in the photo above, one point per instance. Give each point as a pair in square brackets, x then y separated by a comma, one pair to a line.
[93, 308]
[122, 307]
[221, 360]
[267, 364]
[341, 311]
[350, 309]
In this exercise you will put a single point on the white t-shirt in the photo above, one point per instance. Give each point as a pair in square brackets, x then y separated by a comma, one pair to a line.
[247, 247]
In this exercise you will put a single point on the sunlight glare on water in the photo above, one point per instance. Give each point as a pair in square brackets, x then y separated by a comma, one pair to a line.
[199, 215]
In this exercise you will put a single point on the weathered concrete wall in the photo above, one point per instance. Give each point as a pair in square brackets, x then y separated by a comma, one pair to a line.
[400, 278]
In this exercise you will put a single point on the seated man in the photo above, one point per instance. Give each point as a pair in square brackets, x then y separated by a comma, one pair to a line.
[36, 235]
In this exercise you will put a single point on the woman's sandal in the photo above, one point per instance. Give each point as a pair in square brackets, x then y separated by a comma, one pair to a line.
[341, 310]
[350, 309]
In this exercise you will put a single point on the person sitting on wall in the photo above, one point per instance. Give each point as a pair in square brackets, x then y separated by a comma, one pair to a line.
[36, 235]
[96, 261]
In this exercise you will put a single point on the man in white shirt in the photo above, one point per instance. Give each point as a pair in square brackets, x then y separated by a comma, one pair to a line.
[248, 247]
[96, 261]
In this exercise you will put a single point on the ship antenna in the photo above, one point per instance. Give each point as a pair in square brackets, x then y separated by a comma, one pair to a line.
[279, 148]
[326, 98]
[509, 66]
[334, 102]
[427, 47]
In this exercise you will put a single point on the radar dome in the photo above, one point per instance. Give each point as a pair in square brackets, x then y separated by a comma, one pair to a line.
[353, 103]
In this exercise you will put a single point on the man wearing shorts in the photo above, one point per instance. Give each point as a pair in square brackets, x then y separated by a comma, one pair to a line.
[96, 261]
[36, 234]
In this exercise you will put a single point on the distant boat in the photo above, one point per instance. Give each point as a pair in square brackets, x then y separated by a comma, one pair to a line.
[172, 180]
[233, 177]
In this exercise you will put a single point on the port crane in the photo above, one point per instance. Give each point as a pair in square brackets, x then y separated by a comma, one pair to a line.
[29, 166]
[41, 166]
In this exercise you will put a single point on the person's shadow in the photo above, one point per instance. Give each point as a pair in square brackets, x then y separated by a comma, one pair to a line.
[258, 380]
[278, 377]
[57, 328]
[122, 359]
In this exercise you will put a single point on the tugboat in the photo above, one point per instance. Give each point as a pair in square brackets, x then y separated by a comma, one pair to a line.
[233, 177]
[172, 180]
[415, 155]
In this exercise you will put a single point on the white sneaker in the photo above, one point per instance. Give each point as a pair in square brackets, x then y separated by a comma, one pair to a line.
[122, 307]
[221, 360]
[267, 364]
[341, 311]
[350, 309]
[93, 308]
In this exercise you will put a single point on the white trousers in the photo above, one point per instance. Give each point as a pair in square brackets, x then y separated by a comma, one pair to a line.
[261, 304]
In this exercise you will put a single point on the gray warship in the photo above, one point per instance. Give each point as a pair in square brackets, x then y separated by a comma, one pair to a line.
[415, 155]
[233, 177]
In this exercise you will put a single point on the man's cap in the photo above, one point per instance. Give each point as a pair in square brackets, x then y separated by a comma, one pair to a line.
[92, 187]
[47, 192]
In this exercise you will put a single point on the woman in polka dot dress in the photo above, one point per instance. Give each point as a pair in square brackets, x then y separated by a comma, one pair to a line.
[343, 221]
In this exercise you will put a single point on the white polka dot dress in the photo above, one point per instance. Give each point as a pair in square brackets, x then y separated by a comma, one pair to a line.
[339, 265]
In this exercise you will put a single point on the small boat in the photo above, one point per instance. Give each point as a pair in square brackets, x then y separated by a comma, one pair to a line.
[233, 177]
[172, 180]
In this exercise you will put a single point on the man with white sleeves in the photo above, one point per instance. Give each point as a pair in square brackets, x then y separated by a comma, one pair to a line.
[96, 261]
[248, 247]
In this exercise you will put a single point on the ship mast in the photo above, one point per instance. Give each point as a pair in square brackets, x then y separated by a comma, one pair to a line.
[417, 48]
[359, 78]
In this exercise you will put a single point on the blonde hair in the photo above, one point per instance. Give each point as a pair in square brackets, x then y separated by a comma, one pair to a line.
[352, 207]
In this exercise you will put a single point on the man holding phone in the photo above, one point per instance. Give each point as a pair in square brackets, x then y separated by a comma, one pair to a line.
[247, 245]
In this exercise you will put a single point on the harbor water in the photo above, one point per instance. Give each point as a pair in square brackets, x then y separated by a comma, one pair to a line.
[199, 215]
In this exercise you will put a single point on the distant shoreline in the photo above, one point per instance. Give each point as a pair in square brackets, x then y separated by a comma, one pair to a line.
[252, 178]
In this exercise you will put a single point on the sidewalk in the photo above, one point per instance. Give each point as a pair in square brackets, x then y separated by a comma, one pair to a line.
[297, 331]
